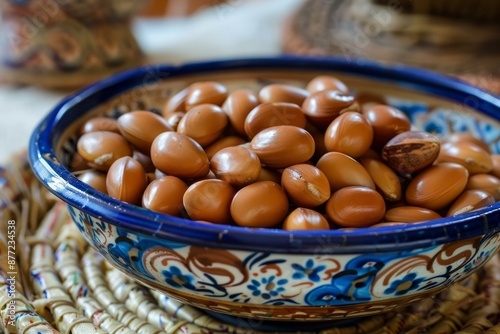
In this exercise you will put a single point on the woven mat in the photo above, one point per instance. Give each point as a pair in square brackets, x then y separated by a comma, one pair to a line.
[53, 282]
[363, 29]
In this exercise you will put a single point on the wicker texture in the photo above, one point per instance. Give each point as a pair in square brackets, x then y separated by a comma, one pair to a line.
[64, 286]
[414, 35]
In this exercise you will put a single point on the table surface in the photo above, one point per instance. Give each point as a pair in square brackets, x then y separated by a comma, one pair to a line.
[239, 28]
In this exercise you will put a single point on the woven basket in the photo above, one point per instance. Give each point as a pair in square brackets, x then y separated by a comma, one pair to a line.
[444, 36]
[54, 282]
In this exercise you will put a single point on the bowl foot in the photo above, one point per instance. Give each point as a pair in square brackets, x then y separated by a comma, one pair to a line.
[280, 326]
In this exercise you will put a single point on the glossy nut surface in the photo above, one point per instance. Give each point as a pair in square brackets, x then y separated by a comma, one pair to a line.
[386, 180]
[101, 148]
[283, 146]
[209, 200]
[145, 161]
[268, 197]
[495, 159]
[467, 154]
[343, 171]
[237, 107]
[303, 219]
[283, 93]
[238, 166]
[178, 155]
[326, 82]
[222, 143]
[204, 123]
[437, 186]
[267, 115]
[208, 92]
[349, 133]
[176, 103]
[100, 124]
[165, 195]
[126, 180]
[410, 214]
[355, 207]
[485, 182]
[387, 122]
[174, 119]
[140, 128]
[95, 179]
[324, 106]
[469, 138]
[306, 185]
[411, 151]
[470, 200]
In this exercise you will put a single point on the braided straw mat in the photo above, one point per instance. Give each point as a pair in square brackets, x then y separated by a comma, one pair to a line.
[365, 29]
[62, 285]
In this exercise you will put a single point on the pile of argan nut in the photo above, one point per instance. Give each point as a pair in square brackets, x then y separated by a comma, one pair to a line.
[286, 157]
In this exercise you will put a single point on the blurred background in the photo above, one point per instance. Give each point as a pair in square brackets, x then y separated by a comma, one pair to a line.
[49, 48]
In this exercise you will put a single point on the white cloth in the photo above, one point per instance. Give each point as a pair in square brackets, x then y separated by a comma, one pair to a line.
[239, 28]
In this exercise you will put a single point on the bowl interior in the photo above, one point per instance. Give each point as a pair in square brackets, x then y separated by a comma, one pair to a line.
[434, 103]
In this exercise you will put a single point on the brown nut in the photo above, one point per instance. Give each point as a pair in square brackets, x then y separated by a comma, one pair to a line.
[178, 155]
[485, 182]
[321, 108]
[176, 102]
[126, 180]
[237, 165]
[410, 214]
[174, 118]
[205, 93]
[101, 148]
[267, 174]
[204, 123]
[224, 142]
[367, 100]
[437, 186]
[495, 158]
[237, 106]
[343, 171]
[260, 204]
[469, 155]
[355, 207]
[140, 128]
[326, 82]
[385, 179]
[302, 219]
[282, 146]
[387, 122]
[468, 138]
[209, 200]
[306, 185]
[411, 151]
[165, 195]
[283, 94]
[100, 124]
[145, 161]
[349, 133]
[470, 200]
[94, 179]
[268, 115]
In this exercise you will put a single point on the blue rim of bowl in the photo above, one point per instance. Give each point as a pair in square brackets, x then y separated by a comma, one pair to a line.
[50, 171]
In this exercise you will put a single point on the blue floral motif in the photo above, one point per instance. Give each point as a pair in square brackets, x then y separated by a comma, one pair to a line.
[308, 271]
[175, 278]
[478, 261]
[351, 285]
[402, 286]
[267, 287]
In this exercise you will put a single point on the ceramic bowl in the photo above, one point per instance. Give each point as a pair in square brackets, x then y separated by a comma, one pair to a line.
[268, 273]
